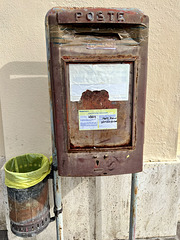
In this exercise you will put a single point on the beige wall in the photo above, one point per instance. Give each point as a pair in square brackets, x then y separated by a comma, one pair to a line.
[23, 41]
[25, 107]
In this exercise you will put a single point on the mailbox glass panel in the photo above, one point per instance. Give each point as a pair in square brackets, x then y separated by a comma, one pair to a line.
[101, 104]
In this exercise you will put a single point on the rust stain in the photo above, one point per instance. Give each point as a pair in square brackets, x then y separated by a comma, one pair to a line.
[57, 187]
[29, 209]
[134, 211]
[104, 58]
[60, 230]
[136, 190]
[50, 91]
[88, 148]
[95, 100]
[104, 140]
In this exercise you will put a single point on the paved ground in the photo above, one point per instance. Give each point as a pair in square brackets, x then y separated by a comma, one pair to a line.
[3, 235]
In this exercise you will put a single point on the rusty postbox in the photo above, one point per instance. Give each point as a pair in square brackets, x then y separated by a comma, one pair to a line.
[98, 67]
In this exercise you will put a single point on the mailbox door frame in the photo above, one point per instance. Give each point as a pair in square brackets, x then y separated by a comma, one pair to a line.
[102, 59]
[94, 162]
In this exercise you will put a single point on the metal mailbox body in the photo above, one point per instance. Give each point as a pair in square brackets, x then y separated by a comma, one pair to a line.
[97, 62]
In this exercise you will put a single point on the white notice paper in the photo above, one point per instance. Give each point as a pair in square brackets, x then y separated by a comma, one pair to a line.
[97, 119]
[112, 77]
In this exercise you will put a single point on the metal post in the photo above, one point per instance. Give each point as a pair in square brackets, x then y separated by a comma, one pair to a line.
[56, 186]
[133, 207]
[56, 177]
[58, 204]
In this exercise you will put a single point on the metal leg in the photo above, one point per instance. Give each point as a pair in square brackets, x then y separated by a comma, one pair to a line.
[56, 177]
[58, 204]
[133, 210]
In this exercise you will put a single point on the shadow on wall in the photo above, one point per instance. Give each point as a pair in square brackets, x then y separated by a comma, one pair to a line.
[24, 68]
[25, 108]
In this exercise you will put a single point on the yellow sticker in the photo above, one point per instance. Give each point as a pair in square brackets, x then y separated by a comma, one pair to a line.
[97, 119]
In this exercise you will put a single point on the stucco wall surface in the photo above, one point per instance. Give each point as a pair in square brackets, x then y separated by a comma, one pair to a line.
[95, 208]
